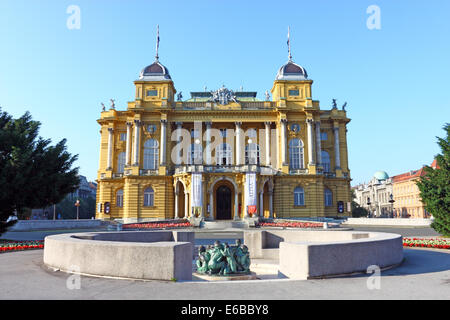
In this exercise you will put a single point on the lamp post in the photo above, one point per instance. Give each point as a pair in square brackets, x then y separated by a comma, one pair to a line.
[368, 206]
[391, 201]
[77, 204]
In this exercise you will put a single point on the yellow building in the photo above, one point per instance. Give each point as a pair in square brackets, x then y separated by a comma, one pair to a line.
[223, 154]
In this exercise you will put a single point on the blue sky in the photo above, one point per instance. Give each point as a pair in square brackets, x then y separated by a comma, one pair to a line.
[395, 80]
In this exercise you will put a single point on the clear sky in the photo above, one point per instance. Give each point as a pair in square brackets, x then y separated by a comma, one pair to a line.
[394, 79]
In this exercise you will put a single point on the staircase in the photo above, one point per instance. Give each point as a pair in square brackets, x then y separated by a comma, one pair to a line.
[225, 224]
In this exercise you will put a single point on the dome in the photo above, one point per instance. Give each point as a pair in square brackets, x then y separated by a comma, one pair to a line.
[291, 71]
[381, 175]
[156, 71]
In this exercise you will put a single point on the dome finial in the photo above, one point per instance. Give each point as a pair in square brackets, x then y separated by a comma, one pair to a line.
[289, 44]
[157, 42]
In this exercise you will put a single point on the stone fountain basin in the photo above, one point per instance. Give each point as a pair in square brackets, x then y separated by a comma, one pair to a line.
[316, 254]
[149, 255]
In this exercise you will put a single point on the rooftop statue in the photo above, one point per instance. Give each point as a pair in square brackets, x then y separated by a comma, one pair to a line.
[223, 259]
[113, 105]
[179, 96]
[223, 96]
[344, 105]
[103, 106]
[334, 104]
[267, 95]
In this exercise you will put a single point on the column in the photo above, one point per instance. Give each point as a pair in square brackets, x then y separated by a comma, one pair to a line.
[267, 124]
[211, 206]
[336, 146]
[309, 123]
[208, 143]
[283, 142]
[176, 203]
[318, 143]
[238, 143]
[261, 204]
[236, 205]
[270, 204]
[179, 128]
[137, 133]
[162, 161]
[186, 205]
[110, 149]
[128, 151]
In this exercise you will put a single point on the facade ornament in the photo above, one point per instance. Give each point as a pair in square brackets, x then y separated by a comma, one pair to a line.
[103, 106]
[180, 96]
[113, 105]
[267, 95]
[334, 104]
[344, 105]
[223, 96]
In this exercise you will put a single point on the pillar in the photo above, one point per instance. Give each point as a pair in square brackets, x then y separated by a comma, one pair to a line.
[336, 146]
[261, 204]
[162, 161]
[208, 143]
[211, 205]
[267, 127]
[128, 150]
[179, 128]
[283, 142]
[318, 143]
[137, 133]
[110, 149]
[176, 203]
[186, 205]
[236, 205]
[238, 143]
[309, 123]
[270, 204]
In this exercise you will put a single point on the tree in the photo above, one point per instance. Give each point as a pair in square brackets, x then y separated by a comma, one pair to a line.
[33, 174]
[357, 210]
[434, 187]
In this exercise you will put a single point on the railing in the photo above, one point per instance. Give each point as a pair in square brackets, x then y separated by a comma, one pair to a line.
[247, 105]
[298, 171]
[148, 172]
[117, 175]
[224, 169]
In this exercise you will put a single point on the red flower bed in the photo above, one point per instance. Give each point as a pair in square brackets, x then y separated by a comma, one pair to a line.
[291, 224]
[156, 225]
[20, 245]
[426, 243]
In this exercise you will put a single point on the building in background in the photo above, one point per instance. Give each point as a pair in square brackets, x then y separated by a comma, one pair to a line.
[282, 157]
[376, 196]
[408, 203]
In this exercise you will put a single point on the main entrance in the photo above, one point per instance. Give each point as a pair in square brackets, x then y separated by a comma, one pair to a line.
[223, 203]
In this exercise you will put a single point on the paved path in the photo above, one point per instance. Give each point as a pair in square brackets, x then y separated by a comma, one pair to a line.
[425, 274]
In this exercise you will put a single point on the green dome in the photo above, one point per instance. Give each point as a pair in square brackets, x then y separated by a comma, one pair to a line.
[381, 175]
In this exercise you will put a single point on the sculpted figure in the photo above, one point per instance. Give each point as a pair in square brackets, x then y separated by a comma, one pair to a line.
[231, 262]
[202, 261]
[216, 264]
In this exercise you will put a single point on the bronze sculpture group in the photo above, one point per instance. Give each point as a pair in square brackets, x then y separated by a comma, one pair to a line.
[223, 259]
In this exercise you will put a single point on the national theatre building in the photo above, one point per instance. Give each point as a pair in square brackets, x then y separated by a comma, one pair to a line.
[223, 155]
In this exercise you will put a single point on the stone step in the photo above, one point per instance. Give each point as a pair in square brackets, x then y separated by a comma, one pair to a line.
[220, 225]
[271, 254]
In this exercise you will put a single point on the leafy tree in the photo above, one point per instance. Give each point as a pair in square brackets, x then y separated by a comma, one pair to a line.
[68, 210]
[33, 174]
[357, 210]
[434, 187]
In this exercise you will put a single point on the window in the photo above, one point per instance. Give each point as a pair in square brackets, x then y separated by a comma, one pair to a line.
[123, 137]
[223, 133]
[121, 162]
[149, 197]
[252, 153]
[223, 154]
[326, 161]
[328, 198]
[119, 198]
[151, 128]
[195, 154]
[152, 93]
[296, 154]
[293, 92]
[194, 133]
[299, 196]
[251, 133]
[295, 127]
[323, 136]
[150, 154]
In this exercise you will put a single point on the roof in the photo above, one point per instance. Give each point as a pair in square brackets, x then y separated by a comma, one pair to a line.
[413, 174]
[204, 96]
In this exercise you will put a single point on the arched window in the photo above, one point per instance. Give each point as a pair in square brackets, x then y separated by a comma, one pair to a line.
[328, 198]
[299, 196]
[223, 154]
[121, 162]
[119, 198]
[296, 154]
[326, 165]
[252, 153]
[195, 154]
[151, 150]
[149, 197]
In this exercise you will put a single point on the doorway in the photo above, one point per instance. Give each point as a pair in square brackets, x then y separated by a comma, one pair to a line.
[223, 203]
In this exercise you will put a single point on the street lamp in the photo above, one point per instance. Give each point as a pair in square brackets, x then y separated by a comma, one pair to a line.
[391, 201]
[368, 205]
[77, 204]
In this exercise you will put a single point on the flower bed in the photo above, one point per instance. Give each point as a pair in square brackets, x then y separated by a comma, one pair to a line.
[291, 224]
[20, 245]
[426, 243]
[156, 225]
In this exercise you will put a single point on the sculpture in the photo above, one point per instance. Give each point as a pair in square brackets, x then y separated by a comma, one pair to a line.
[334, 104]
[344, 105]
[223, 96]
[179, 96]
[267, 95]
[113, 105]
[223, 259]
[103, 106]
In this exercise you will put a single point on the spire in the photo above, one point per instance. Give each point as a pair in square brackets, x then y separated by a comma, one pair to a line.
[157, 42]
[289, 44]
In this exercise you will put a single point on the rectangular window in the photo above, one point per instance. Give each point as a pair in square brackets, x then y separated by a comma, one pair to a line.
[123, 137]
[293, 92]
[152, 93]
[223, 133]
[194, 133]
[323, 136]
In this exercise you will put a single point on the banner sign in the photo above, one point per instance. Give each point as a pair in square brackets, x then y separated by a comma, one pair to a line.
[196, 190]
[250, 192]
